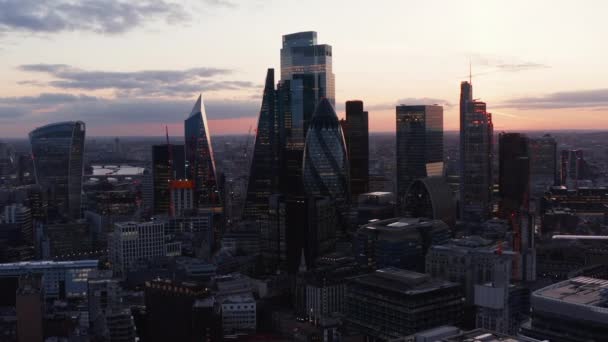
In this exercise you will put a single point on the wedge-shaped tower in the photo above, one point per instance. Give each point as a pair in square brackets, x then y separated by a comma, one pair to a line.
[263, 175]
[325, 166]
[200, 165]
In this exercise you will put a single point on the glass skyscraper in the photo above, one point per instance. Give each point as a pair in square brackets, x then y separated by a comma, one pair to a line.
[306, 72]
[263, 175]
[476, 153]
[200, 165]
[325, 171]
[57, 151]
[419, 146]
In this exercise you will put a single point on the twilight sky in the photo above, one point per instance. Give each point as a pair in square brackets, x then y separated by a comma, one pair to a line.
[130, 67]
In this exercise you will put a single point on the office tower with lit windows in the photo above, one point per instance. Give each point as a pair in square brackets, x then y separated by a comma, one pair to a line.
[264, 170]
[167, 165]
[57, 150]
[200, 163]
[301, 55]
[476, 153]
[356, 134]
[306, 77]
[513, 173]
[419, 146]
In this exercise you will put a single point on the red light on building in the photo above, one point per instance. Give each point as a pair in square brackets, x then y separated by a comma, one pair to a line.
[181, 184]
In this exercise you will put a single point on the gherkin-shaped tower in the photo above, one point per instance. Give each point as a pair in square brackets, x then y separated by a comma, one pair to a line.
[325, 166]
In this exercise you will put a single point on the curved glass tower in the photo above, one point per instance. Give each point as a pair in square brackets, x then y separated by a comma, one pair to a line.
[325, 169]
[57, 151]
[200, 165]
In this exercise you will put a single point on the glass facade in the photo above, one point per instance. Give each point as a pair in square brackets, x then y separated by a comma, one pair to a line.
[57, 151]
[200, 165]
[419, 145]
[263, 175]
[476, 154]
[306, 67]
[325, 171]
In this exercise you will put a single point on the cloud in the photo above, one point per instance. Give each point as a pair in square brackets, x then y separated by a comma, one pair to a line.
[410, 101]
[567, 99]
[146, 83]
[97, 110]
[485, 64]
[46, 99]
[99, 16]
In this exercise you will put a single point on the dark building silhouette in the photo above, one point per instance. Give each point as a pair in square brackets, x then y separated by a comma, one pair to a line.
[263, 175]
[543, 164]
[165, 167]
[572, 168]
[398, 242]
[200, 164]
[180, 311]
[431, 197]
[476, 153]
[30, 308]
[513, 173]
[356, 133]
[57, 151]
[419, 146]
[310, 230]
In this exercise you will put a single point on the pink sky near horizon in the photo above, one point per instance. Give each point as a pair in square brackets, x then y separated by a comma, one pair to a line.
[534, 70]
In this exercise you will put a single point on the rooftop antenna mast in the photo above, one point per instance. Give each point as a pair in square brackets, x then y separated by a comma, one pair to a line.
[470, 73]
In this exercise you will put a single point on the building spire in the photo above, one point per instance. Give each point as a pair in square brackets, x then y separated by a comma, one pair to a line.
[470, 73]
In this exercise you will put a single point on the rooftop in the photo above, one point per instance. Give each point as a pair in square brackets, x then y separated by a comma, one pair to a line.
[45, 264]
[579, 290]
[402, 281]
[400, 224]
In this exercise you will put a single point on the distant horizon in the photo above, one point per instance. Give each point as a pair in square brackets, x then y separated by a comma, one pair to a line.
[496, 132]
[538, 74]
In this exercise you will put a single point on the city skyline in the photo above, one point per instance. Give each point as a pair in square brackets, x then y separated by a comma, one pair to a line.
[538, 74]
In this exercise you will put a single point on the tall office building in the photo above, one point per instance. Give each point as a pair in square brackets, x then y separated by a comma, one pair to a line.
[356, 133]
[263, 175]
[22, 216]
[306, 77]
[200, 164]
[476, 153]
[302, 55]
[572, 165]
[57, 150]
[419, 146]
[543, 164]
[513, 173]
[167, 165]
[325, 161]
